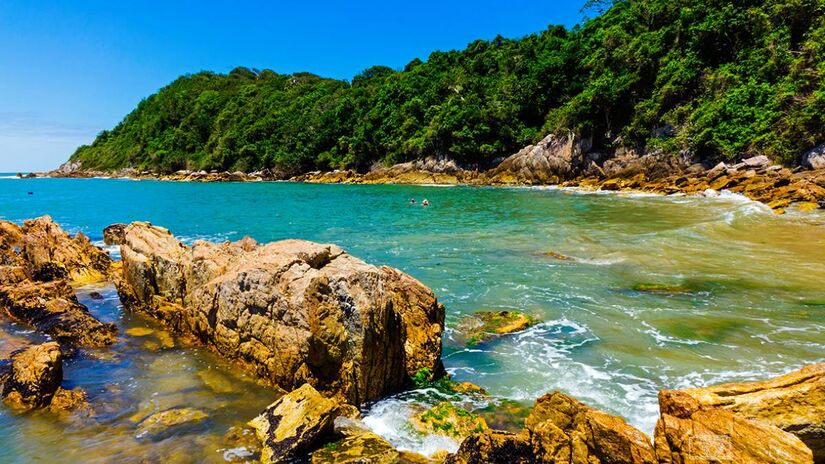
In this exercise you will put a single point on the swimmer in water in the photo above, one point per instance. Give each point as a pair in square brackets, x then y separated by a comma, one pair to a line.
[412, 201]
[425, 203]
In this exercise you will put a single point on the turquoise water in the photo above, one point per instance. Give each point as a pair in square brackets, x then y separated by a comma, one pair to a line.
[749, 302]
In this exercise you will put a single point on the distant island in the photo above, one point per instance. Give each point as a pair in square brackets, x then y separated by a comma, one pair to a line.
[715, 80]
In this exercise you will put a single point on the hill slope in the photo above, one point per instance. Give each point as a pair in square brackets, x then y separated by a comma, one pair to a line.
[724, 79]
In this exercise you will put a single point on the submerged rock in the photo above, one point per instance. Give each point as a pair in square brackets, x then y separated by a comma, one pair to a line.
[159, 423]
[294, 424]
[449, 420]
[794, 402]
[485, 325]
[70, 401]
[664, 289]
[52, 308]
[688, 432]
[292, 311]
[33, 377]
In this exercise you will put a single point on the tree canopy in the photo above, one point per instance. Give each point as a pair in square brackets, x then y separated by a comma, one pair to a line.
[723, 79]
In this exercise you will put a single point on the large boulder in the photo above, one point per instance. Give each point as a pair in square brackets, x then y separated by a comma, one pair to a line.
[563, 429]
[53, 308]
[553, 160]
[294, 424]
[33, 376]
[688, 432]
[794, 402]
[293, 311]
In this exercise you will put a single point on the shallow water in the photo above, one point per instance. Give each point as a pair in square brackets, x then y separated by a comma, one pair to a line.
[747, 299]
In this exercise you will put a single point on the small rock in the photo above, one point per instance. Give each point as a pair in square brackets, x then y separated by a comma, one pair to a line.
[484, 325]
[559, 256]
[217, 382]
[665, 289]
[494, 447]
[68, 401]
[760, 161]
[610, 185]
[158, 423]
[295, 423]
[807, 206]
[114, 234]
[139, 331]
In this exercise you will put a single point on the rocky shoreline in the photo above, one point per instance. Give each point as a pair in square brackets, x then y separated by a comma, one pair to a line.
[333, 333]
[564, 161]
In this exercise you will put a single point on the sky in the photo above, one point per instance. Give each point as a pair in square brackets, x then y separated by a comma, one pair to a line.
[70, 69]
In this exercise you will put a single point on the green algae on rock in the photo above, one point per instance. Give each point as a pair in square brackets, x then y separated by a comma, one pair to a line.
[486, 325]
[449, 420]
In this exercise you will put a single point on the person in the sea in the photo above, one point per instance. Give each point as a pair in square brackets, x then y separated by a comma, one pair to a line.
[412, 201]
[425, 203]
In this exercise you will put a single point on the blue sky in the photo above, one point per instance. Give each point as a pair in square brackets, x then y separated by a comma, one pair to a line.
[73, 68]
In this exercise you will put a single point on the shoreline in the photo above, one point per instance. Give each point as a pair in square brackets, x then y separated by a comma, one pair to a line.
[776, 187]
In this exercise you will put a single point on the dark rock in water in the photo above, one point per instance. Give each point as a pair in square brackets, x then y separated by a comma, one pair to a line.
[294, 424]
[485, 325]
[293, 311]
[52, 308]
[33, 376]
[495, 447]
[114, 234]
[95, 295]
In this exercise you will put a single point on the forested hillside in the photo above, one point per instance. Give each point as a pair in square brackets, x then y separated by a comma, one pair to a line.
[725, 79]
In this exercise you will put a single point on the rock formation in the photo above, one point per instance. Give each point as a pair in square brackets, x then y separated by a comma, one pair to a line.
[33, 376]
[794, 402]
[553, 160]
[294, 424]
[38, 261]
[52, 308]
[562, 430]
[688, 432]
[293, 311]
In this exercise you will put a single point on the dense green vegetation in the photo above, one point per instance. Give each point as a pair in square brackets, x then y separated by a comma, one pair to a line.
[724, 79]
